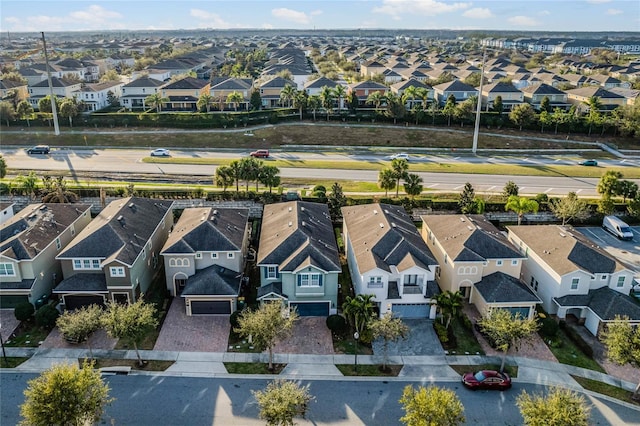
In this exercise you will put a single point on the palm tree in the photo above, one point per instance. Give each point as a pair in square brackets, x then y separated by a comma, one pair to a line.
[339, 92]
[326, 95]
[235, 98]
[399, 166]
[25, 111]
[376, 98]
[449, 303]
[410, 94]
[521, 205]
[287, 94]
[269, 176]
[314, 103]
[204, 102]
[235, 171]
[300, 101]
[155, 101]
[57, 191]
[359, 310]
[413, 185]
[386, 180]
[224, 177]
[449, 108]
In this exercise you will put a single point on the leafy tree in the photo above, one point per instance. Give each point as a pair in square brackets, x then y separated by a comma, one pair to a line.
[281, 401]
[594, 116]
[13, 76]
[44, 104]
[561, 407]
[111, 99]
[130, 322]
[359, 311]
[449, 108]
[558, 116]
[3, 167]
[623, 344]
[473, 79]
[65, 395]
[510, 189]
[320, 191]
[521, 205]
[507, 330]
[609, 183]
[389, 329]
[255, 100]
[464, 110]
[327, 98]
[80, 324]
[7, 112]
[413, 185]
[235, 98]
[24, 111]
[352, 101]
[546, 119]
[269, 176]
[570, 208]
[249, 170]
[24, 311]
[204, 102]
[634, 206]
[522, 115]
[155, 101]
[450, 304]
[395, 107]
[376, 99]
[466, 202]
[28, 184]
[605, 206]
[110, 75]
[287, 94]
[498, 106]
[314, 103]
[46, 316]
[431, 406]
[336, 200]
[545, 105]
[627, 189]
[55, 191]
[386, 180]
[69, 109]
[400, 168]
[266, 325]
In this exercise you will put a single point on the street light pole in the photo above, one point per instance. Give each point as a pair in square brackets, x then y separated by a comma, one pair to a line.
[356, 336]
[56, 128]
[476, 129]
[4, 353]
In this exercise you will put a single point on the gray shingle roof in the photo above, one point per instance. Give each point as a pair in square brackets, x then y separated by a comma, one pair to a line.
[144, 82]
[275, 288]
[213, 281]
[25, 284]
[502, 288]
[187, 83]
[604, 302]
[94, 283]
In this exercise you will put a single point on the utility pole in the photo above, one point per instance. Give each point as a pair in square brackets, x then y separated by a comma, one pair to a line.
[476, 130]
[54, 110]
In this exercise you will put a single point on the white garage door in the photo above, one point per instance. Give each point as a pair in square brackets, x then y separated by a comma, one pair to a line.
[411, 310]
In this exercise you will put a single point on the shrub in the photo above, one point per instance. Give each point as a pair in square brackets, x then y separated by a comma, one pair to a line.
[549, 328]
[577, 339]
[233, 319]
[336, 323]
[466, 322]
[441, 331]
[46, 316]
[24, 311]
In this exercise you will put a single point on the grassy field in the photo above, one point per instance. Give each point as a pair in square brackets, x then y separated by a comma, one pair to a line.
[606, 389]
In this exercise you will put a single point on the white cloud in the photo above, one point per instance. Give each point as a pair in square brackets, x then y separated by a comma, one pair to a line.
[209, 19]
[93, 17]
[614, 12]
[524, 21]
[291, 15]
[95, 13]
[418, 7]
[478, 13]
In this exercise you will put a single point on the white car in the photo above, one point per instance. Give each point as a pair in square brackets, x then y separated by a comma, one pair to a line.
[400, 156]
[160, 152]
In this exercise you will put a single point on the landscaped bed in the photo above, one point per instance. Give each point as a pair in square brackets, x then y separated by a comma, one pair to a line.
[606, 389]
[28, 334]
[149, 365]
[369, 370]
[11, 362]
[253, 368]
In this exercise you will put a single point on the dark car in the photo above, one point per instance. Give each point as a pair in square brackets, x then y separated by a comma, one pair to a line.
[39, 149]
[260, 153]
[588, 163]
[486, 379]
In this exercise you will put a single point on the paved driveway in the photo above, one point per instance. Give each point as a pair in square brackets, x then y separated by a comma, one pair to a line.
[422, 340]
[310, 336]
[8, 322]
[200, 333]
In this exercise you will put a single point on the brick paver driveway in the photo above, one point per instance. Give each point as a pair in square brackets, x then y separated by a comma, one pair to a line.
[200, 333]
[310, 336]
[9, 322]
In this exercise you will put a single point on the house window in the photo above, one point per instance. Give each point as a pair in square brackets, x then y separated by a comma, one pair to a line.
[375, 282]
[117, 271]
[574, 283]
[514, 262]
[58, 244]
[620, 282]
[198, 255]
[498, 262]
[6, 270]
[411, 279]
[309, 280]
[79, 264]
[214, 255]
[272, 272]
[603, 277]
[230, 255]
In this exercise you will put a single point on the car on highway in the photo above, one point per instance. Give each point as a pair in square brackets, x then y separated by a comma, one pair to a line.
[160, 152]
[39, 149]
[260, 153]
[486, 379]
[400, 156]
[588, 163]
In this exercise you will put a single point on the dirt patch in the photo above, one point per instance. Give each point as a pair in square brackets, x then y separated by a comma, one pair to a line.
[98, 340]
[310, 335]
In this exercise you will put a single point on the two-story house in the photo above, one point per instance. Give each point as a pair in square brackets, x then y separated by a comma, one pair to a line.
[574, 276]
[388, 258]
[61, 89]
[97, 96]
[204, 259]
[298, 258]
[477, 260]
[116, 257]
[534, 94]
[461, 91]
[271, 89]
[221, 88]
[608, 100]
[135, 92]
[400, 88]
[30, 241]
[508, 93]
[183, 94]
[366, 88]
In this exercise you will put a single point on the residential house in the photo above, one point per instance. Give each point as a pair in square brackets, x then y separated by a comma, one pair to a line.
[270, 91]
[534, 95]
[6, 211]
[298, 257]
[83, 69]
[183, 94]
[30, 241]
[366, 88]
[221, 88]
[461, 91]
[574, 276]
[134, 93]
[371, 68]
[609, 82]
[388, 258]
[61, 89]
[476, 259]
[116, 256]
[13, 91]
[204, 259]
[630, 95]
[314, 87]
[509, 94]
[97, 96]
[154, 73]
[580, 98]
[400, 88]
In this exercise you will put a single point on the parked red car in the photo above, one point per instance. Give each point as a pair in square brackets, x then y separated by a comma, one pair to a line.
[486, 379]
[260, 153]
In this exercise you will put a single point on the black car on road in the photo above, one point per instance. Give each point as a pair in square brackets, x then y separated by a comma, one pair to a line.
[39, 149]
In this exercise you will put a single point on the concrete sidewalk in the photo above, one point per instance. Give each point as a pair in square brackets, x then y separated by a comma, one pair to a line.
[418, 368]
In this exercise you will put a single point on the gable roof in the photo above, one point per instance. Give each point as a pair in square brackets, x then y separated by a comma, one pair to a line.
[144, 82]
[589, 91]
[233, 83]
[566, 250]
[502, 288]
[319, 83]
[455, 86]
[278, 82]
[187, 83]
[36, 226]
[604, 302]
[470, 238]
[500, 87]
[382, 235]
[207, 229]
[297, 234]
[120, 231]
[214, 280]
[403, 85]
[541, 89]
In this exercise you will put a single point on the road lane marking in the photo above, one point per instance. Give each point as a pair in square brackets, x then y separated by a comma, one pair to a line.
[490, 188]
[458, 187]
[548, 190]
[578, 191]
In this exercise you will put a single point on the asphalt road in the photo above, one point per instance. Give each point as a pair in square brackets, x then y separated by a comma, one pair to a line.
[160, 400]
[129, 161]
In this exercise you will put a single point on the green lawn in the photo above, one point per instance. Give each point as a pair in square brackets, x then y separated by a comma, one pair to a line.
[11, 362]
[466, 341]
[606, 389]
[29, 335]
[252, 368]
[369, 370]
[149, 365]
[569, 353]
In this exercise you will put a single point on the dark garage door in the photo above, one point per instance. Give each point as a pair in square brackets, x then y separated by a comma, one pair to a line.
[11, 301]
[316, 309]
[411, 310]
[76, 302]
[210, 307]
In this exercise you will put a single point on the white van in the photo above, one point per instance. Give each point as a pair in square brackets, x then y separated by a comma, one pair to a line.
[617, 227]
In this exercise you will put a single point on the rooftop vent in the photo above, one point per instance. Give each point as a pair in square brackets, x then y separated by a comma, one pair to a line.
[215, 212]
[470, 228]
[119, 218]
[290, 208]
[562, 234]
[290, 224]
[131, 205]
[304, 223]
[301, 208]
[462, 219]
[381, 225]
[43, 207]
[375, 211]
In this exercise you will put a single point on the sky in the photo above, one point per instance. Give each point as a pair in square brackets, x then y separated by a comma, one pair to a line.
[529, 15]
